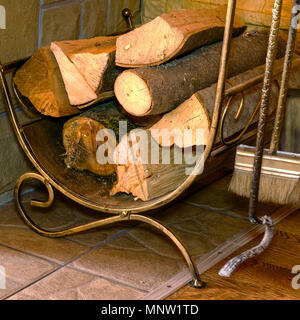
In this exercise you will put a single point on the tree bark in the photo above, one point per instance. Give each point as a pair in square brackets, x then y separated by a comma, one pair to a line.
[196, 113]
[153, 91]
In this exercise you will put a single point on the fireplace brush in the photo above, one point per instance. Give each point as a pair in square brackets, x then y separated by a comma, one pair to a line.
[274, 174]
[280, 171]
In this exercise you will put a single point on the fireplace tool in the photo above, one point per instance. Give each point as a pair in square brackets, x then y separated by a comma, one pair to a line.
[275, 174]
[86, 190]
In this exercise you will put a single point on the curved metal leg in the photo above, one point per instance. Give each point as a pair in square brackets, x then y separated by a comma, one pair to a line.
[47, 204]
[196, 282]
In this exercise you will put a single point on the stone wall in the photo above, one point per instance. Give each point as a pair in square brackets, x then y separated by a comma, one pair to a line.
[255, 12]
[31, 24]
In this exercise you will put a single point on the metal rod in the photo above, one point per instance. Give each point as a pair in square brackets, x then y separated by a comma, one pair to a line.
[282, 101]
[238, 138]
[256, 80]
[222, 77]
[266, 91]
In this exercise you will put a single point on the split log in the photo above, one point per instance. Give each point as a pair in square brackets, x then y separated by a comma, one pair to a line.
[152, 91]
[82, 139]
[136, 173]
[180, 125]
[39, 80]
[87, 67]
[171, 35]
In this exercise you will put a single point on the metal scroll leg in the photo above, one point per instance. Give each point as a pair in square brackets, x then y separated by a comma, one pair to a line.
[196, 282]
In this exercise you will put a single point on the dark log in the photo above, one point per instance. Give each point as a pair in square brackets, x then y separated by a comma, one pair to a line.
[80, 139]
[39, 80]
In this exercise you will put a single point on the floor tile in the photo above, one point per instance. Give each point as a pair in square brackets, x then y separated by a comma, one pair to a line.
[21, 270]
[69, 284]
[57, 250]
[216, 195]
[126, 255]
[145, 258]
[64, 214]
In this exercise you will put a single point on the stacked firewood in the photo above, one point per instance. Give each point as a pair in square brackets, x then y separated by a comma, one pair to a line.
[164, 76]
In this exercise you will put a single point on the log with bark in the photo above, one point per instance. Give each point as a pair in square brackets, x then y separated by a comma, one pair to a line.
[87, 67]
[146, 180]
[196, 112]
[171, 35]
[152, 91]
[39, 80]
[83, 135]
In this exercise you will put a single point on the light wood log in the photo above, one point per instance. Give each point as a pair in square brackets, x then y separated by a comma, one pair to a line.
[81, 143]
[137, 175]
[39, 80]
[196, 113]
[172, 34]
[152, 91]
[87, 67]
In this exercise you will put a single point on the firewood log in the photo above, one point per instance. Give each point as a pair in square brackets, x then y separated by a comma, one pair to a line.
[152, 91]
[87, 67]
[39, 80]
[196, 112]
[172, 34]
[137, 175]
[81, 139]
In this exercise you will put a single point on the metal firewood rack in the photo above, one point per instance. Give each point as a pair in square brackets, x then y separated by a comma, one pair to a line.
[85, 190]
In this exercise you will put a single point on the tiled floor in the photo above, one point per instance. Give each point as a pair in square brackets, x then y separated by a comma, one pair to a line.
[124, 261]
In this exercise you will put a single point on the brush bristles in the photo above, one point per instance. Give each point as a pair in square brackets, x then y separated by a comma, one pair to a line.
[272, 189]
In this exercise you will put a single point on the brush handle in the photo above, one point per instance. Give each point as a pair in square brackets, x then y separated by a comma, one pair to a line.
[282, 101]
[266, 91]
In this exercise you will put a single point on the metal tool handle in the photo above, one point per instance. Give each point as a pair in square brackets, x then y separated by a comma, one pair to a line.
[231, 6]
[266, 91]
[282, 101]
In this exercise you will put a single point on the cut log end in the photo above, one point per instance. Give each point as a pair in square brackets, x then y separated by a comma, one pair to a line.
[92, 66]
[79, 139]
[133, 93]
[39, 79]
[79, 92]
